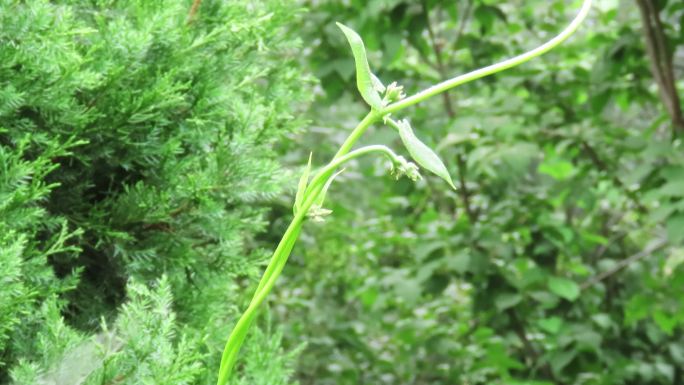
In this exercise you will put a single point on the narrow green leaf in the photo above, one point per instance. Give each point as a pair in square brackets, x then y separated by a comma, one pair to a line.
[564, 288]
[367, 83]
[321, 197]
[377, 83]
[301, 188]
[421, 153]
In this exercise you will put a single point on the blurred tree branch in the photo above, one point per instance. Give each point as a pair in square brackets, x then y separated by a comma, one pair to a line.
[448, 104]
[661, 63]
[624, 263]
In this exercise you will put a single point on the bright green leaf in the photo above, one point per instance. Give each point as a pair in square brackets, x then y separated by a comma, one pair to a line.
[557, 168]
[665, 322]
[638, 308]
[321, 196]
[594, 238]
[564, 288]
[551, 325]
[301, 187]
[377, 84]
[367, 83]
[421, 153]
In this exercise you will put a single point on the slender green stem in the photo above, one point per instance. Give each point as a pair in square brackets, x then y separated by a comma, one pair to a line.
[344, 149]
[322, 176]
[282, 251]
[286, 244]
[494, 68]
[239, 332]
[367, 121]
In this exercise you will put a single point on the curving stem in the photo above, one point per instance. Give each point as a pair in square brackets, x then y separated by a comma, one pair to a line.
[494, 68]
[282, 252]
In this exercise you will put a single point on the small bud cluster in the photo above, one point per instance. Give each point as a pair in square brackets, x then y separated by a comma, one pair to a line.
[393, 93]
[318, 214]
[403, 167]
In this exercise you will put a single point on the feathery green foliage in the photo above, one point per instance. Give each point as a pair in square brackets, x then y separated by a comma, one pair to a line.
[141, 193]
[136, 144]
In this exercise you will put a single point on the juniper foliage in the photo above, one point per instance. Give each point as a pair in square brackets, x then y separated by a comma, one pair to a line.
[136, 155]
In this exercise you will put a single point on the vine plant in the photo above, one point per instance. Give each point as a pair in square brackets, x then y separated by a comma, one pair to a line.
[383, 101]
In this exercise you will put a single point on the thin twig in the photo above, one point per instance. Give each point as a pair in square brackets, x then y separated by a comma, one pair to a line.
[602, 166]
[624, 263]
[449, 108]
[519, 329]
[438, 58]
[463, 23]
[193, 10]
[661, 63]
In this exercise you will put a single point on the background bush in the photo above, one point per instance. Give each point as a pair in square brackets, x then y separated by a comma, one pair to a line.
[137, 163]
[556, 260]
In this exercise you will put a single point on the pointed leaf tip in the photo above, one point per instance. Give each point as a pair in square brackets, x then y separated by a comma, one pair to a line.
[321, 198]
[301, 187]
[367, 83]
[421, 153]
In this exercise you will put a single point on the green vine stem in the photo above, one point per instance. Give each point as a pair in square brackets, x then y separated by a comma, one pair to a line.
[494, 68]
[280, 256]
[343, 155]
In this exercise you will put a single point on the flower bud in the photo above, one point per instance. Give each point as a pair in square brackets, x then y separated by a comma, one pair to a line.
[393, 93]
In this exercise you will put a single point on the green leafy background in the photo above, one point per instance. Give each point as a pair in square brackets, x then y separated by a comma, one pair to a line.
[148, 167]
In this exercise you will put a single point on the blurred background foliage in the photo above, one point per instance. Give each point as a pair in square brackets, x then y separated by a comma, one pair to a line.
[557, 261]
[149, 161]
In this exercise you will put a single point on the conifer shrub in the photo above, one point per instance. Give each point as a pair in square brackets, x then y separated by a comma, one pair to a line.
[136, 158]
